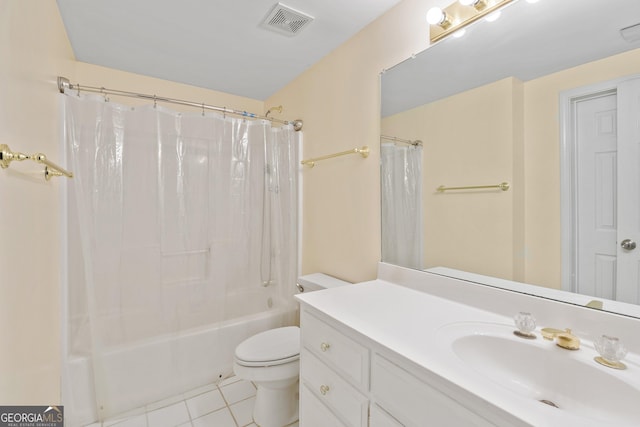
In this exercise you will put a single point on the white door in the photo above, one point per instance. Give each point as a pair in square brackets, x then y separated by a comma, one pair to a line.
[596, 135]
[628, 288]
[607, 131]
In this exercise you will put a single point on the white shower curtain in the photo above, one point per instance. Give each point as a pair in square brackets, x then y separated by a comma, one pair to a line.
[175, 216]
[402, 221]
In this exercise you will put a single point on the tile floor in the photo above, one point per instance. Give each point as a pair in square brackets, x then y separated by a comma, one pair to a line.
[228, 404]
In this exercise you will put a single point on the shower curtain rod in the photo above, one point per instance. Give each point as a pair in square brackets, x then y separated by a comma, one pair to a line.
[64, 83]
[416, 143]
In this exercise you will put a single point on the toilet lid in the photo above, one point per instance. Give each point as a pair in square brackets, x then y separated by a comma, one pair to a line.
[280, 344]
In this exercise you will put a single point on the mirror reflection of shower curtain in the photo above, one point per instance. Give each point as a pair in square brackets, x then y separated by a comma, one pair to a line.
[402, 227]
[167, 210]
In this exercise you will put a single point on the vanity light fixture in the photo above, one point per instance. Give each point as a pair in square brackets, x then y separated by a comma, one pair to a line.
[477, 4]
[460, 14]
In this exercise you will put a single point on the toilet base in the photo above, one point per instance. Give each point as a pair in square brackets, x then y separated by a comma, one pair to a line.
[276, 406]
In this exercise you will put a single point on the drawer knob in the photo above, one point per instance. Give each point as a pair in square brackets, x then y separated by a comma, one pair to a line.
[325, 346]
[324, 389]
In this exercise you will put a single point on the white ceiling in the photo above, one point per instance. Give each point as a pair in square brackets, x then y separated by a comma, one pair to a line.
[214, 44]
[527, 42]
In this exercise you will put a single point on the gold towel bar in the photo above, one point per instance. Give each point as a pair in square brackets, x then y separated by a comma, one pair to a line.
[415, 143]
[50, 168]
[363, 151]
[504, 186]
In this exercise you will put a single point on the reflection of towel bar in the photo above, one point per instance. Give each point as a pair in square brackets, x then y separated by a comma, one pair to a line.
[504, 186]
[50, 169]
[416, 143]
[364, 152]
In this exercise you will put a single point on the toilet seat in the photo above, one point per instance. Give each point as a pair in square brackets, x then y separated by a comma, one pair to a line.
[273, 347]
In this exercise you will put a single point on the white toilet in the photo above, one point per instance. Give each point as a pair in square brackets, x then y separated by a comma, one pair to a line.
[271, 360]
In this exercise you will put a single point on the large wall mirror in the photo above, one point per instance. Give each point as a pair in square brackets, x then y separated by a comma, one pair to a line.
[546, 99]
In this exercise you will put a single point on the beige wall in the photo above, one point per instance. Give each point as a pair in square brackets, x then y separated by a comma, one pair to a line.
[339, 100]
[462, 134]
[34, 50]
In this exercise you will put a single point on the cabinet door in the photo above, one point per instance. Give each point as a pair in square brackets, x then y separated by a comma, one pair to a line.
[416, 403]
[313, 413]
[379, 418]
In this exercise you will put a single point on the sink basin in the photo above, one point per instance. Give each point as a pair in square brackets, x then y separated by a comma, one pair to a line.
[569, 381]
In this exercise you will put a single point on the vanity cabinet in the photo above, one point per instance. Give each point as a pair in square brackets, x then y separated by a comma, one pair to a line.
[348, 380]
[334, 374]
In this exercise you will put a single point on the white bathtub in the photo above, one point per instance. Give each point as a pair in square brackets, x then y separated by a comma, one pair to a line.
[157, 369]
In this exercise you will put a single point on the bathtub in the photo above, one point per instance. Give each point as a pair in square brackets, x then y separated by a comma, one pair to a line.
[139, 373]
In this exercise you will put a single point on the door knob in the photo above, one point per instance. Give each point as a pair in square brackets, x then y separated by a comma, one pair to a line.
[628, 244]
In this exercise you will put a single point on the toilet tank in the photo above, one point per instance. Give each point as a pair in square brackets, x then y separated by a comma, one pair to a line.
[318, 281]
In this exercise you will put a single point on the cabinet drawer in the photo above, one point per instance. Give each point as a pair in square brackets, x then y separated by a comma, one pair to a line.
[414, 402]
[331, 389]
[331, 346]
[313, 413]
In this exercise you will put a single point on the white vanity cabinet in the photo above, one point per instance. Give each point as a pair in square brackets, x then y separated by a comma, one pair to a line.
[334, 375]
[348, 380]
[384, 354]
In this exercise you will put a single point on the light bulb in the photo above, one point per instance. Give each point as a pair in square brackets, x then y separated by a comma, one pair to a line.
[460, 33]
[477, 4]
[493, 16]
[436, 16]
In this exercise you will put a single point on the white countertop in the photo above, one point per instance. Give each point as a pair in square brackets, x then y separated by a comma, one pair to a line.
[406, 322]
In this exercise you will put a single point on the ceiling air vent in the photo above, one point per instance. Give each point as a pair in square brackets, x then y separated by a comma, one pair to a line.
[285, 20]
[631, 34]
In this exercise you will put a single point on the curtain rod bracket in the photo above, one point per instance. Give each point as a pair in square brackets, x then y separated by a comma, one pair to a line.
[63, 83]
[297, 125]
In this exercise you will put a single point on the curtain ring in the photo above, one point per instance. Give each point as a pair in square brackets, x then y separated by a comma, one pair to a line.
[155, 101]
[104, 95]
[203, 109]
[78, 88]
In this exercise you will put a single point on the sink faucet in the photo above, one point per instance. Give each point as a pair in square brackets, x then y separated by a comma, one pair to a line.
[564, 339]
[594, 304]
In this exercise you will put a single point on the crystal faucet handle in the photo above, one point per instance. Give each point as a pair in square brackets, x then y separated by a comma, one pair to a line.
[611, 349]
[526, 323]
